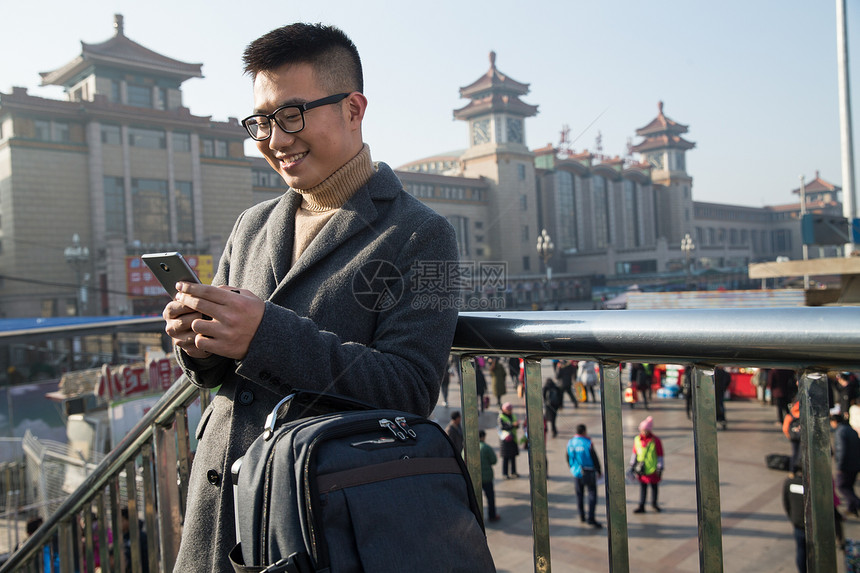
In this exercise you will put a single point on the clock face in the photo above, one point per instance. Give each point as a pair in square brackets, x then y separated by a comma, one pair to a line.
[515, 130]
[481, 132]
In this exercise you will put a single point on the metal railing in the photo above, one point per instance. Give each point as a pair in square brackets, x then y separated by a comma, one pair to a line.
[811, 341]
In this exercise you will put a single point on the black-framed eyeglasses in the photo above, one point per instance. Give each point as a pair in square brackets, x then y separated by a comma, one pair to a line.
[290, 118]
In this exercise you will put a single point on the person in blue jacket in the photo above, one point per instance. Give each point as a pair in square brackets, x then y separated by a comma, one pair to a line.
[585, 467]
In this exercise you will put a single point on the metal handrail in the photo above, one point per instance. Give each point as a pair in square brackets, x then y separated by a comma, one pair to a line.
[808, 340]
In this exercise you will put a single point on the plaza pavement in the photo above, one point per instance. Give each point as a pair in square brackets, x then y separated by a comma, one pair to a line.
[757, 536]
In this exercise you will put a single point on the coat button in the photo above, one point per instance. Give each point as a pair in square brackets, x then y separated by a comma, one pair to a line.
[246, 397]
[213, 477]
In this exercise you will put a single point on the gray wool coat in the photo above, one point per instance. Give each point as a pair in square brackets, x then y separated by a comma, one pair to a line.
[329, 325]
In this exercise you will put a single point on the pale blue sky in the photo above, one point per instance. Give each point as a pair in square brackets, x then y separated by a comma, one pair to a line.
[755, 80]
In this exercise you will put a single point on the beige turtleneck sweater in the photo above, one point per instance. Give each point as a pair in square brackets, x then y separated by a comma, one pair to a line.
[320, 203]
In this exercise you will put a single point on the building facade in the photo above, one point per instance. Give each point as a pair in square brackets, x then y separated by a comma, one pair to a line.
[124, 167]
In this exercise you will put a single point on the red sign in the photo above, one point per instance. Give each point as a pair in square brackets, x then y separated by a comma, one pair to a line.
[131, 380]
[141, 282]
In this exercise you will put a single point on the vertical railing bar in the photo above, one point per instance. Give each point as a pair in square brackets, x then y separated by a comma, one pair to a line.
[152, 532]
[183, 447]
[707, 470]
[469, 413]
[116, 516]
[89, 558]
[165, 464]
[67, 552]
[133, 516]
[817, 476]
[537, 465]
[104, 546]
[613, 455]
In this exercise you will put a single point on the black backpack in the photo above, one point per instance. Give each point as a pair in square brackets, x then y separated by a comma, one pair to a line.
[354, 491]
[554, 396]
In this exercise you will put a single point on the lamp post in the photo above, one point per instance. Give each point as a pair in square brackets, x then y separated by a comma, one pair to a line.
[687, 245]
[545, 250]
[78, 256]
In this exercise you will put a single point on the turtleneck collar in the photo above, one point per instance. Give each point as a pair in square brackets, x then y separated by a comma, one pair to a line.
[335, 190]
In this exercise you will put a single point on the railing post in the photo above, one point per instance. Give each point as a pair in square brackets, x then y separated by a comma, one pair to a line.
[817, 477]
[152, 531]
[613, 454]
[67, 551]
[167, 494]
[183, 447]
[469, 413]
[707, 471]
[133, 516]
[537, 466]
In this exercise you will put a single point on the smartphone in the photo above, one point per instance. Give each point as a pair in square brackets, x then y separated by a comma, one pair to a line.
[169, 268]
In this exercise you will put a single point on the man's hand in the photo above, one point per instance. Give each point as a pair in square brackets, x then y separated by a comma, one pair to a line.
[235, 316]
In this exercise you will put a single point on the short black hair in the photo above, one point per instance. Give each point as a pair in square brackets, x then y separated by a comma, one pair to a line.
[580, 428]
[332, 54]
[455, 415]
[482, 434]
[33, 524]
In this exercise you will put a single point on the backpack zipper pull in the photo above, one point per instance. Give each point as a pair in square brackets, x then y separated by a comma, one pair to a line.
[386, 423]
[401, 421]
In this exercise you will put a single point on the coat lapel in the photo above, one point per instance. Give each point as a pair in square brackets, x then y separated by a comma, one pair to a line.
[280, 234]
[357, 214]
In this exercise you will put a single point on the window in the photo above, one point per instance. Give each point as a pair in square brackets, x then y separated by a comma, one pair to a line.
[61, 131]
[111, 134]
[214, 148]
[114, 193]
[208, 148]
[151, 210]
[525, 234]
[181, 142]
[521, 171]
[115, 92]
[160, 98]
[139, 96]
[461, 231]
[526, 263]
[184, 212]
[565, 202]
[220, 148]
[631, 213]
[149, 138]
[42, 129]
[601, 212]
[524, 203]
[479, 224]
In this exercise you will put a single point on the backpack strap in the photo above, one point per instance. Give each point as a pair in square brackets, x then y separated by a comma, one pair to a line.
[295, 563]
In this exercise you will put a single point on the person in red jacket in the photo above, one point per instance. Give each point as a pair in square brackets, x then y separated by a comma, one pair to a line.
[646, 463]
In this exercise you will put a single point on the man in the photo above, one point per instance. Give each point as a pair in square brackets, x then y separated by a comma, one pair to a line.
[783, 387]
[454, 430]
[488, 460]
[846, 454]
[565, 370]
[792, 503]
[317, 289]
[585, 467]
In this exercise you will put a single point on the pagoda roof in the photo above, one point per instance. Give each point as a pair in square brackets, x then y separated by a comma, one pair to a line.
[496, 81]
[818, 185]
[661, 124]
[121, 52]
[496, 102]
[663, 141]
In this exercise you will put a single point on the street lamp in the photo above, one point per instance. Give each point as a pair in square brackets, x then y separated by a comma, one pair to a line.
[687, 245]
[545, 249]
[78, 256]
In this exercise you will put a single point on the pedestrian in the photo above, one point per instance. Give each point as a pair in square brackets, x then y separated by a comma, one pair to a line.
[688, 389]
[126, 541]
[488, 460]
[846, 452]
[565, 370]
[508, 445]
[791, 428]
[498, 375]
[585, 467]
[783, 387]
[759, 382]
[450, 373]
[722, 380]
[454, 430]
[552, 398]
[284, 306]
[640, 377]
[792, 502]
[846, 391]
[514, 370]
[587, 373]
[480, 382]
[646, 464]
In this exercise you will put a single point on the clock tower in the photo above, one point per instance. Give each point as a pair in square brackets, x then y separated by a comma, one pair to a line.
[498, 153]
[664, 150]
